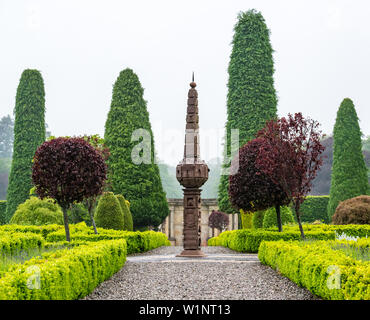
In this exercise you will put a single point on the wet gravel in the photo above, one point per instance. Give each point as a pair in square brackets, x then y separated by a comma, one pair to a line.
[222, 275]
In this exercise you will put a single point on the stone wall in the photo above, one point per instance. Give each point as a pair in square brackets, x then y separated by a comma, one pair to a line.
[172, 226]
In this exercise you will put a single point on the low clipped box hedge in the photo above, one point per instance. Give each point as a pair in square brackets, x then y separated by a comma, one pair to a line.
[326, 272]
[42, 230]
[353, 230]
[73, 269]
[65, 274]
[250, 240]
[136, 241]
[14, 242]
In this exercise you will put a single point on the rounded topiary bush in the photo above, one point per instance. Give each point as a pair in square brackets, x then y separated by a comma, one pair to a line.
[108, 213]
[353, 211]
[269, 219]
[257, 219]
[35, 211]
[127, 217]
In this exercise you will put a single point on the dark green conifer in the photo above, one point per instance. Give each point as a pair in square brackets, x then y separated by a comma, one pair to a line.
[251, 99]
[349, 172]
[138, 183]
[29, 133]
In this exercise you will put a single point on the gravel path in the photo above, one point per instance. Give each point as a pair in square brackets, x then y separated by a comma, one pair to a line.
[222, 275]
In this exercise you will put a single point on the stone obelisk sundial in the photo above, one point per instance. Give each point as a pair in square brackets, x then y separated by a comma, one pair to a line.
[192, 173]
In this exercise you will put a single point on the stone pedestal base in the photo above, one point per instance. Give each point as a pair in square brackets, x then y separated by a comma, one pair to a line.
[192, 254]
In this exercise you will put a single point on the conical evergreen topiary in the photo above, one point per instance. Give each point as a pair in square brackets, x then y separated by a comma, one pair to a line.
[349, 172]
[108, 213]
[126, 212]
[251, 99]
[141, 183]
[29, 133]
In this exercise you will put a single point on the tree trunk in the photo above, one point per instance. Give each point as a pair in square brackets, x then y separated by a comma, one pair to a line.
[66, 225]
[213, 232]
[90, 205]
[278, 217]
[297, 205]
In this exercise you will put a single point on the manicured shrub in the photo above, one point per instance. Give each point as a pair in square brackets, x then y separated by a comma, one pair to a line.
[29, 133]
[349, 172]
[137, 180]
[353, 211]
[35, 211]
[2, 211]
[250, 240]
[269, 219]
[67, 274]
[13, 242]
[128, 224]
[136, 241]
[326, 272]
[314, 208]
[257, 219]
[108, 213]
[351, 230]
[68, 170]
[251, 98]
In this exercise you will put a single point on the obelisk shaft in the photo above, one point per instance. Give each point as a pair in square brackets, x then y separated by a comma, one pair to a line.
[192, 173]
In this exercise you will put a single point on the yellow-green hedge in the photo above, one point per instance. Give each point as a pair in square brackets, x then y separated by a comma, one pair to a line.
[65, 274]
[354, 230]
[250, 240]
[136, 241]
[326, 272]
[11, 243]
[42, 230]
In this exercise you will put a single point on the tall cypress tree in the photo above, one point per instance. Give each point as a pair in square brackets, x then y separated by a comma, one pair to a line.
[251, 98]
[349, 172]
[29, 133]
[139, 183]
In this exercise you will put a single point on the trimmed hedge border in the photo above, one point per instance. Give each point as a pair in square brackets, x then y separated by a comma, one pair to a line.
[353, 230]
[315, 266]
[136, 241]
[250, 240]
[71, 272]
[65, 274]
[42, 230]
[11, 243]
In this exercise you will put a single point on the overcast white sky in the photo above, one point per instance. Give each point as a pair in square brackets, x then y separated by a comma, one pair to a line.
[322, 55]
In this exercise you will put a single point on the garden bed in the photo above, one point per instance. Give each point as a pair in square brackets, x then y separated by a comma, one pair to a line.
[37, 262]
[328, 269]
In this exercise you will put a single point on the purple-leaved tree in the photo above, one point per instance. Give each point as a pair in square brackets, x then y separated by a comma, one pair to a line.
[68, 170]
